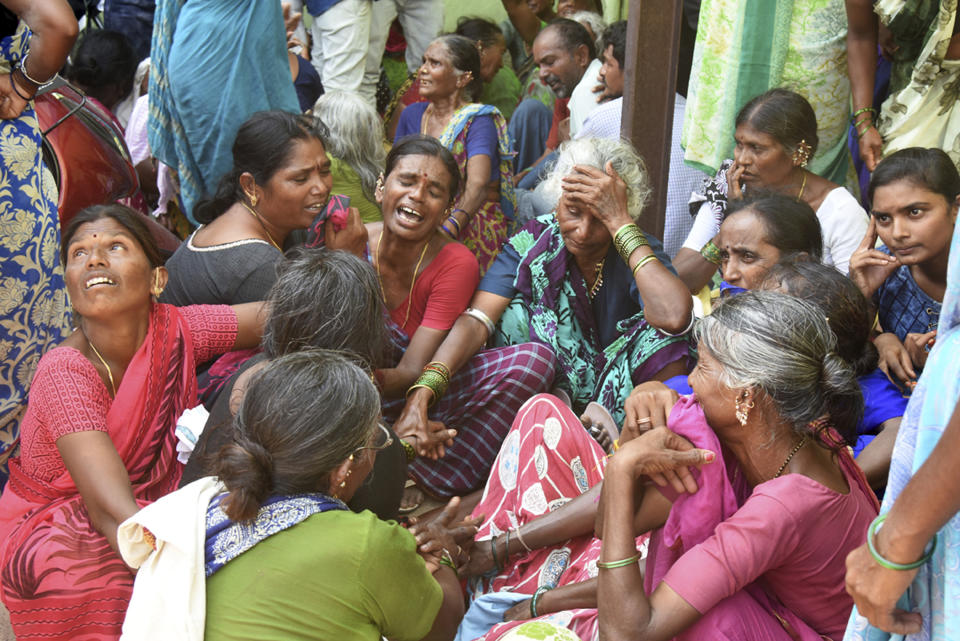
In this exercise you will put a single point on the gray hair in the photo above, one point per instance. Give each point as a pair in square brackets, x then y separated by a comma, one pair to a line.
[356, 135]
[301, 417]
[595, 23]
[596, 152]
[784, 346]
[325, 299]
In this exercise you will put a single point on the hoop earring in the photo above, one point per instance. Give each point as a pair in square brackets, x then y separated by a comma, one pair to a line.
[743, 411]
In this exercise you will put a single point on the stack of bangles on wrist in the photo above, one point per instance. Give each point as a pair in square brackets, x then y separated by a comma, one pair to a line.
[536, 598]
[436, 378]
[711, 253]
[622, 563]
[627, 240]
[447, 560]
[871, 113]
[890, 565]
[452, 219]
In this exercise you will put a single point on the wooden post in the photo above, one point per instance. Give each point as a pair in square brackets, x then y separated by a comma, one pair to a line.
[653, 44]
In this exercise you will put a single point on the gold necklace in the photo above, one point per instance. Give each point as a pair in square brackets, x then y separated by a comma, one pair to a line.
[109, 371]
[795, 449]
[598, 283]
[376, 263]
[803, 183]
[262, 224]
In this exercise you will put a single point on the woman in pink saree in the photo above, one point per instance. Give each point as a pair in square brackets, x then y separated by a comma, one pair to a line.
[98, 436]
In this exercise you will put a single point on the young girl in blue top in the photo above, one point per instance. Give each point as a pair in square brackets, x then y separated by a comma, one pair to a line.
[914, 195]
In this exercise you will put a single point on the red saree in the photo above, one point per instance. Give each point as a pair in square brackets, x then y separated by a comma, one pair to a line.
[60, 578]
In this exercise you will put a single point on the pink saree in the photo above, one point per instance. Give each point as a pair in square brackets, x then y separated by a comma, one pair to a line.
[60, 578]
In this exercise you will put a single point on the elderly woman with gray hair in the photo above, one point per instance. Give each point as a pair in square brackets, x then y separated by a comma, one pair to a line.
[355, 146]
[587, 282]
[749, 546]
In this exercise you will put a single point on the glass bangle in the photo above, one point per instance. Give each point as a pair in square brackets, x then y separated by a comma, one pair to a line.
[890, 565]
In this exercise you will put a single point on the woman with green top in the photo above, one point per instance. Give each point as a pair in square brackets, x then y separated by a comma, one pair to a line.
[355, 147]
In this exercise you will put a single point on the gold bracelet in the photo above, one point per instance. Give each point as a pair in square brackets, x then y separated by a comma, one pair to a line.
[643, 261]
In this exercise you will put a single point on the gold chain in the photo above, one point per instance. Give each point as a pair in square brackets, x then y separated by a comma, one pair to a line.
[803, 183]
[109, 371]
[598, 283]
[262, 224]
[790, 456]
[376, 263]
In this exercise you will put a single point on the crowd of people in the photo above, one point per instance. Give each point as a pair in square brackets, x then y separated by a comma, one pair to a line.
[416, 371]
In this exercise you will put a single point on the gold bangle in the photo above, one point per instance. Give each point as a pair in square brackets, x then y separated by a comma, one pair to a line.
[712, 253]
[643, 261]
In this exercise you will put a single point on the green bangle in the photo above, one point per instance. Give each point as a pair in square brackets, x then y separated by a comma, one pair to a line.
[856, 113]
[890, 565]
[447, 560]
[712, 253]
[622, 563]
[536, 597]
[409, 450]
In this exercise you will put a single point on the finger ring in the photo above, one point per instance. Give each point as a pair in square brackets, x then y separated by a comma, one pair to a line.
[645, 419]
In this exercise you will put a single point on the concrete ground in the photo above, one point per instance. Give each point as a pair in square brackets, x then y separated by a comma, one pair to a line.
[6, 634]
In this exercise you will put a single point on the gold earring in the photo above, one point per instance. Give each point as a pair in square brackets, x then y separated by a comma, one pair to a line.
[379, 186]
[802, 154]
[157, 290]
[743, 411]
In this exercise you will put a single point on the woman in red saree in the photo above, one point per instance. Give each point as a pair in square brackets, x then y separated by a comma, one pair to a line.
[98, 437]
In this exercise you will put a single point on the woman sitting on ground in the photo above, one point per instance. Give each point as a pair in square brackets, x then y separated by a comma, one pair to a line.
[476, 134]
[98, 437]
[280, 182]
[427, 280]
[772, 477]
[849, 315]
[323, 299]
[277, 503]
[610, 310]
[914, 198]
[354, 142]
[775, 137]
[754, 552]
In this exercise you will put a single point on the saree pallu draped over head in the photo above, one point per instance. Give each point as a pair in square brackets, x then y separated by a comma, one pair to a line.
[60, 577]
[490, 226]
[552, 307]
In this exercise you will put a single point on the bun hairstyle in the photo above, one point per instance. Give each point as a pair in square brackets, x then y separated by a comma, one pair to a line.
[325, 299]
[930, 169]
[301, 417]
[783, 346]
[791, 225]
[420, 145]
[464, 58]
[263, 145]
[785, 115]
[481, 30]
[847, 311]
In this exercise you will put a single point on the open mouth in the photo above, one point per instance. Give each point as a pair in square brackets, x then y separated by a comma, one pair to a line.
[409, 215]
[316, 208]
[98, 280]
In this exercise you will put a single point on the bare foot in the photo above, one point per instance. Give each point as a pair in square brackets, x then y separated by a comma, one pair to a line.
[601, 426]
[412, 498]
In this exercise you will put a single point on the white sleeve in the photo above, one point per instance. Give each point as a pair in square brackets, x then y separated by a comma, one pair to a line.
[843, 223]
[705, 227]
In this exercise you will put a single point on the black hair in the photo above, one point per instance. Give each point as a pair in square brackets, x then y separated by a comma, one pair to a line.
[465, 58]
[480, 30]
[848, 313]
[126, 217]
[791, 225]
[104, 66]
[616, 36]
[420, 145]
[785, 115]
[930, 169]
[573, 34]
[263, 145]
